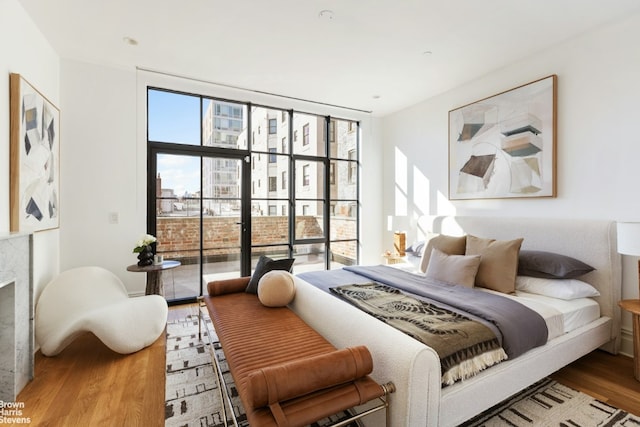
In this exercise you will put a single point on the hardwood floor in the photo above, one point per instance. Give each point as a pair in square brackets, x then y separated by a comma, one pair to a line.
[606, 377]
[89, 385]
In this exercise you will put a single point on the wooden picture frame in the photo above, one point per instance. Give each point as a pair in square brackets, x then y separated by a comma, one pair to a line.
[504, 146]
[34, 170]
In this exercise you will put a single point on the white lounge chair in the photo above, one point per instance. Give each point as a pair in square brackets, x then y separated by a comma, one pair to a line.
[92, 299]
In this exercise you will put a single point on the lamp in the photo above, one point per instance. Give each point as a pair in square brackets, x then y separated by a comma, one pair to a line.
[400, 242]
[629, 240]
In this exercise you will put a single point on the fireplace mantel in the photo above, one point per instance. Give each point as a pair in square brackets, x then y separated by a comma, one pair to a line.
[16, 314]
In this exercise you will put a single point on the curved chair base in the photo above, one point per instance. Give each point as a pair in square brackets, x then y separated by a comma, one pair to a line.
[92, 299]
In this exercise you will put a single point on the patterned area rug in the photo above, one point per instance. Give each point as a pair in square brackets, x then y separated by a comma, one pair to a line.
[549, 403]
[192, 397]
[192, 394]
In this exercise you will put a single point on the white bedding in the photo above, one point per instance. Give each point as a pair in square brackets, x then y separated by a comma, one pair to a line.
[561, 316]
[573, 313]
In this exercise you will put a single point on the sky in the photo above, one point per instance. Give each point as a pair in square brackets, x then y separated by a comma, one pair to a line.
[176, 118]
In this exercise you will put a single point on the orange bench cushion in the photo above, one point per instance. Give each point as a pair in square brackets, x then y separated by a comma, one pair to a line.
[254, 337]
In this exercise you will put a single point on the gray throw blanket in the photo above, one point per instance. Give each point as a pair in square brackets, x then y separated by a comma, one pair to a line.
[520, 328]
[464, 346]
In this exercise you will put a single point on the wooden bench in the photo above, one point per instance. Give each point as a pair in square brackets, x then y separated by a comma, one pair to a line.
[285, 372]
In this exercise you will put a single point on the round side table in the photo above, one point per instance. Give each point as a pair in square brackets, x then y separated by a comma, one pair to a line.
[154, 275]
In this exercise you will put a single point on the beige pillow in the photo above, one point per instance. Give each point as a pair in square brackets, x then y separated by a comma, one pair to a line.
[450, 245]
[499, 262]
[276, 288]
[455, 269]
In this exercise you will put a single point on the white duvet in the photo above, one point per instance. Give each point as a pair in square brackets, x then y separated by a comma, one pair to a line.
[561, 316]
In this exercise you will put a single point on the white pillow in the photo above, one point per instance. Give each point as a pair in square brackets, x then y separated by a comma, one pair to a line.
[566, 289]
[276, 288]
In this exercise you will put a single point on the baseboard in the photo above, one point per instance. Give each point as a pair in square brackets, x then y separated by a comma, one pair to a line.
[136, 294]
[626, 342]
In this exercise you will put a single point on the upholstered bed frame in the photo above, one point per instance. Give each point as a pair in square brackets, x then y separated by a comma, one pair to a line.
[414, 368]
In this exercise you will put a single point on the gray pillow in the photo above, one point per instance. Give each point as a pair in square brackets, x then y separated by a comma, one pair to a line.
[265, 265]
[550, 265]
[417, 248]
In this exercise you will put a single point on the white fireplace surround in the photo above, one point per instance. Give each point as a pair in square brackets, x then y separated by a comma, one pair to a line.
[16, 314]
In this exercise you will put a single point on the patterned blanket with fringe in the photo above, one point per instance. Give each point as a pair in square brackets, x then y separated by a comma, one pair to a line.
[465, 346]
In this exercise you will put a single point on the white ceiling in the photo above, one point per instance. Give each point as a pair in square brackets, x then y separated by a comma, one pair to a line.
[370, 56]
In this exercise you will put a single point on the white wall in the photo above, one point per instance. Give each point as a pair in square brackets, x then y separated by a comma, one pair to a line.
[103, 170]
[598, 144]
[25, 51]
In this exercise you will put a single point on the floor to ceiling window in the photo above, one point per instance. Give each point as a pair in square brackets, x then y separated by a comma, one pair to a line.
[230, 181]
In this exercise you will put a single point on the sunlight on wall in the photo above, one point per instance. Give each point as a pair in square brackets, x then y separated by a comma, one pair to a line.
[421, 193]
[414, 197]
[401, 181]
[444, 205]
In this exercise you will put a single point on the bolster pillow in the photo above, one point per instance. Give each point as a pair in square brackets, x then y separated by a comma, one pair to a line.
[227, 286]
[300, 377]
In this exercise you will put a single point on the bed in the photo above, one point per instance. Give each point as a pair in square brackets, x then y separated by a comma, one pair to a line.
[420, 400]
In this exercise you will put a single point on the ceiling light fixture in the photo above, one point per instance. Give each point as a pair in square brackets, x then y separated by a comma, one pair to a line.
[130, 41]
[326, 14]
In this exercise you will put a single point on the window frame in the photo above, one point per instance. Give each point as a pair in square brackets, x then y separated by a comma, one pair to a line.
[327, 135]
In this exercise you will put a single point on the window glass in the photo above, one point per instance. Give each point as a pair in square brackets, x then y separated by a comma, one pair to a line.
[308, 130]
[272, 168]
[353, 167]
[309, 179]
[344, 253]
[309, 219]
[306, 137]
[309, 257]
[332, 172]
[224, 124]
[332, 131]
[345, 138]
[306, 175]
[344, 176]
[277, 125]
[269, 227]
[173, 117]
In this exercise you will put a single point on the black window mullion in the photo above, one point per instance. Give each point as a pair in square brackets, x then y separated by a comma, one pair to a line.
[358, 192]
[245, 237]
[152, 192]
[201, 225]
[292, 190]
[327, 194]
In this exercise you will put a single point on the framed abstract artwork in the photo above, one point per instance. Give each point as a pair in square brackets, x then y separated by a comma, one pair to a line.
[34, 176]
[504, 146]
